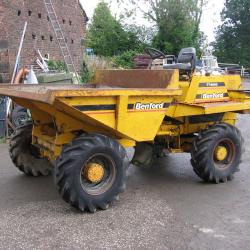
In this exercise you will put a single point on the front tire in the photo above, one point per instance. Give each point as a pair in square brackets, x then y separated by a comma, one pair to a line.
[91, 172]
[217, 152]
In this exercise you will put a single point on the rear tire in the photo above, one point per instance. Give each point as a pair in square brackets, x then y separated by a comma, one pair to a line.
[19, 116]
[25, 156]
[207, 163]
[75, 161]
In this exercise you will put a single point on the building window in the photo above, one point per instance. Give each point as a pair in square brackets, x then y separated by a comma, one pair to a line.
[43, 38]
[29, 12]
[70, 22]
[48, 18]
[19, 12]
[72, 41]
[34, 36]
[51, 38]
[39, 15]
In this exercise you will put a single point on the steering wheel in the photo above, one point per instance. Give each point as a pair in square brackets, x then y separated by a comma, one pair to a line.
[155, 53]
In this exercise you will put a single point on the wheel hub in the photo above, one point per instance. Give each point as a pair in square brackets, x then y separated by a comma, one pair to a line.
[221, 153]
[94, 172]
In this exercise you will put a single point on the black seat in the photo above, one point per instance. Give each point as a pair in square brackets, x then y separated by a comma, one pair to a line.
[186, 60]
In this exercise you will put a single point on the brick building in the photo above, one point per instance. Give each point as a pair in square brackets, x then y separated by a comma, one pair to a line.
[40, 34]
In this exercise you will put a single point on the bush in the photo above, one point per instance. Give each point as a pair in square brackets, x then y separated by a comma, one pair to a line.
[125, 60]
[57, 66]
[86, 74]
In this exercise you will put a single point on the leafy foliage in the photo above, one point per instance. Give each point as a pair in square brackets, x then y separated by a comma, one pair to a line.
[233, 36]
[87, 73]
[178, 26]
[125, 60]
[107, 36]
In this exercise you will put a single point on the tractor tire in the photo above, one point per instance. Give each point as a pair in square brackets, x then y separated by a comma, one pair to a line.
[217, 152]
[25, 156]
[19, 116]
[91, 172]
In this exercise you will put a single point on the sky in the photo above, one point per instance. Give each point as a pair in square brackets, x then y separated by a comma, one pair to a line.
[210, 20]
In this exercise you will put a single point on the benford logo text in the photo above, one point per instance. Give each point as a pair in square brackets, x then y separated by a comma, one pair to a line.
[142, 106]
[212, 96]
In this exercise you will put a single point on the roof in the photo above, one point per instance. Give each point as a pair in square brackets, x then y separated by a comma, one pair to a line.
[84, 12]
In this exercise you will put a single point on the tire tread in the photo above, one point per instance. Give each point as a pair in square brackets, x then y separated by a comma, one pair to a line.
[200, 159]
[66, 162]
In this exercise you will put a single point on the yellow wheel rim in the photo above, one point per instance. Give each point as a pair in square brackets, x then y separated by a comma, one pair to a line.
[94, 172]
[221, 153]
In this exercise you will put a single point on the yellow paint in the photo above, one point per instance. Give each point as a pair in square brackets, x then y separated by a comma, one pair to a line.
[221, 153]
[94, 172]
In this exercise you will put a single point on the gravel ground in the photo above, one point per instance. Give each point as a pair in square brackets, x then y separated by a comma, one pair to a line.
[164, 208]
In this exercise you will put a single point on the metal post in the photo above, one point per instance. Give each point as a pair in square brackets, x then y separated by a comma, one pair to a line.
[19, 53]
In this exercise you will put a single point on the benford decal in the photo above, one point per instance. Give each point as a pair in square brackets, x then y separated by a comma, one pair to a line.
[148, 106]
[212, 96]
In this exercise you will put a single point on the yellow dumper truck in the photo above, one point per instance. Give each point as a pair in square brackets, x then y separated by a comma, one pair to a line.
[82, 132]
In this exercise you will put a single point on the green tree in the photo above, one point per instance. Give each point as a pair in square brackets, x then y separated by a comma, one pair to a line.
[233, 36]
[142, 34]
[107, 36]
[177, 22]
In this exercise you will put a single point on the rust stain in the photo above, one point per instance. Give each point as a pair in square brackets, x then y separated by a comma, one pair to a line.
[158, 79]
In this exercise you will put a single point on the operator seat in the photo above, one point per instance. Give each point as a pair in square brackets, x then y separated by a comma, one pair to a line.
[186, 60]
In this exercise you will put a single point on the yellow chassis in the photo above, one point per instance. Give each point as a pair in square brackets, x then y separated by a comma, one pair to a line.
[131, 115]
